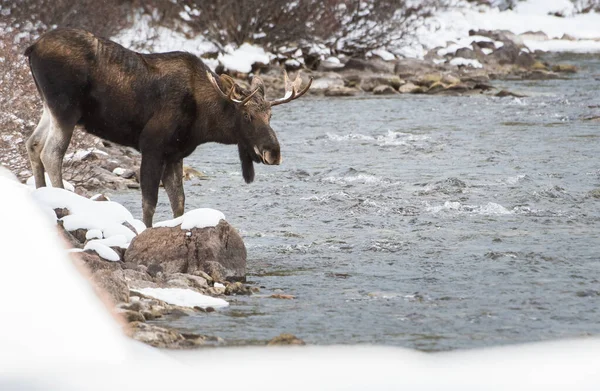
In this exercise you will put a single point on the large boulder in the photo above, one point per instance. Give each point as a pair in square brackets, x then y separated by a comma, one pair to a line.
[218, 251]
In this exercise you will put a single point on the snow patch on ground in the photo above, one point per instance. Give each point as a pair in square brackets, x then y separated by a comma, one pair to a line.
[452, 26]
[146, 36]
[182, 297]
[197, 218]
[242, 58]
[103, 219]
[460, 61]
[102, 250]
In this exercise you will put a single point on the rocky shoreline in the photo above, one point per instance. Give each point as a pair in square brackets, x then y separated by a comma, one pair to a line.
[457, 69]
[144, 274]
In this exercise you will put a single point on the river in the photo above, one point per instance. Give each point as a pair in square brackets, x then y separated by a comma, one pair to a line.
[429, 222]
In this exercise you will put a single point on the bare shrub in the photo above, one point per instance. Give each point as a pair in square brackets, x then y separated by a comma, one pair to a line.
[21, 24]
[345, 26]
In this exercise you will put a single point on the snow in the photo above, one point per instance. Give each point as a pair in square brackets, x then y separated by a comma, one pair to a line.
[6, 173]
[168, 223]
[460, 61]
[102, 250]
[452, 26]
[145, 35]
[84, 153]
[242, 58]
[83, 340]
[182, 297]
[100, 213]
[93, 234]
[97, 196]
[384, 54]
[102, 219]
[31, 183]
[119, 171]
[118, 229]
[138, 225]
[197, 218]
[561, 45]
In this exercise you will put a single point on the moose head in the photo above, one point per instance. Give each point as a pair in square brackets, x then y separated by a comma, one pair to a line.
[257, 141]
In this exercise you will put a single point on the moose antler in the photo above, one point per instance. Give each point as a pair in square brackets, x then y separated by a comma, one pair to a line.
[291, 89]
[229, 96]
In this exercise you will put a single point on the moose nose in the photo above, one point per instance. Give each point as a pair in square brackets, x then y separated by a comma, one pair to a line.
[271, 157]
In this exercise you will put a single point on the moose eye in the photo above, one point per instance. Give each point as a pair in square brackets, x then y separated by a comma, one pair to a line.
[247, 117]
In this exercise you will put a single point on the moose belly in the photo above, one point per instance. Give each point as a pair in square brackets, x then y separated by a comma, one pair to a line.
[111, 123]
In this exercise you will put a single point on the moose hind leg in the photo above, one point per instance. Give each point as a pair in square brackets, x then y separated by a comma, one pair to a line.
[55, 146]
[35, 144]
[173, 181]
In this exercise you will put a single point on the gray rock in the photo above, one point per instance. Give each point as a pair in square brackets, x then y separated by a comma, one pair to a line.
[384, 90]
[327, 82]
[341, 91]
[370, 82]
[111, 284]
[153, 335]
[410, 88]
[466, 53]
[373, 65]
[218, 251]
[128, 174]
[286, 339]
[180, 280]
[70, 240]
[92, 262]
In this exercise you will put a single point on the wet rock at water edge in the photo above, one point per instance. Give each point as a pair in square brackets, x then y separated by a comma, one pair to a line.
[341, 91]
[410, 88]
[217, 251]
[564, 68]
[153, 335]
[237, 288]
[282, 296]
[505, 93]
[286, 339]
[384, 90]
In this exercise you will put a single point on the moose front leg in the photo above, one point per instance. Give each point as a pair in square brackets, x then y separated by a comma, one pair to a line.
[173, 181]
[150, 173]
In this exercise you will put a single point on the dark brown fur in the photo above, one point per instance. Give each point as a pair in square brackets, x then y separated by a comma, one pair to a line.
[160, 104]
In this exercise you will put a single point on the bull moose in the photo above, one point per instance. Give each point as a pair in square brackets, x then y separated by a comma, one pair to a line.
[163, 104]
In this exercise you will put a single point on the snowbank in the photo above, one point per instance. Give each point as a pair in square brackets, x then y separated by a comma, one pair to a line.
[82, 346]
[183, 297]
[530, 15]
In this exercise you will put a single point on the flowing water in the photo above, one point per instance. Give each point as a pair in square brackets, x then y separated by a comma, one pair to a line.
[428, 222]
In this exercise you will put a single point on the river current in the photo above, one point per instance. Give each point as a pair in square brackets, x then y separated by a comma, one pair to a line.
[429, 222]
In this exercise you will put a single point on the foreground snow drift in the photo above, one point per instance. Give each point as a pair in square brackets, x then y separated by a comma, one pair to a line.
[44, 344]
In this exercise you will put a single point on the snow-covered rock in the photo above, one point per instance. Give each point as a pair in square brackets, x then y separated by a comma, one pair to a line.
[183, 297]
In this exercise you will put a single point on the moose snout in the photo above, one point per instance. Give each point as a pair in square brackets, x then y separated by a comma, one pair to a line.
[269, 155]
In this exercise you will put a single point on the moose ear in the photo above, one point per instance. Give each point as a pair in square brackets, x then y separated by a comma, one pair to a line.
[258, 83]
